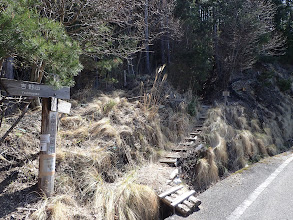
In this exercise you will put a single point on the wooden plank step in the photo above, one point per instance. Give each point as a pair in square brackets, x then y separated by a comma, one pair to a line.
[173, 196]
[168, 160]
[183, 209]
[173, 155]
[182, 198]
[188, 204]
[181, 191]
[168, 200]
[191, 138]
[195, 133]
[185, 144]
[180, 149]
[194, 200]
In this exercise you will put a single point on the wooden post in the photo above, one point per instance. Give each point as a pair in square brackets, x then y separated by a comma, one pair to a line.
[226, 94]
[48, 146]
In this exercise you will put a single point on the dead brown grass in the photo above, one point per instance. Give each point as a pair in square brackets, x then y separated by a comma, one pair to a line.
[121, 200]
[237, 154]
[221, 152]
[213, 169]
[202, 170]
[72, 122]
[59, 207]
[151, 100]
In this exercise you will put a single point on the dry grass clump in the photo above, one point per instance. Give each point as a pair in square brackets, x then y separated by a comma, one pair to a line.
[179, 123]
[92, 110]
[154, 134]
[248, 142]
[72, 122]
[255, 125]
[213, 169]
[236, 154]
[202, 179]
[272, 149]
[203, 171]
[152, 99]
[123, 200]
[79, 133]
[261, 147]
[59, 207]
[106, 129]
[220, 150]
[81, 159]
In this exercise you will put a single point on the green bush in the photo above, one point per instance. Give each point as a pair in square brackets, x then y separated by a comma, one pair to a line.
[109, 106]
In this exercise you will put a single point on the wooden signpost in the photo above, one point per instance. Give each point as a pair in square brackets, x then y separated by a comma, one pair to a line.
[33, 89]
[226, 94]
[50, 108]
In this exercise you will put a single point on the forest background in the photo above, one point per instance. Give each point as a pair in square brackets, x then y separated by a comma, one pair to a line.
[203, 43]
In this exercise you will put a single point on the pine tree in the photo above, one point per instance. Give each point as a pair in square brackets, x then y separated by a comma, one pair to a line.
[39, 41]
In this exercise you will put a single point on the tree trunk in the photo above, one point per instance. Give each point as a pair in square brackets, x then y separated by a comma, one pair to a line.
[147, 47]
[8, 68]
[216, 46]
[1, 65]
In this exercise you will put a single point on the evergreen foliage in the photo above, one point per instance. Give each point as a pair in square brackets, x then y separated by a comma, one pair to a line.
[284, 23]
[24, 33]
[193, 56]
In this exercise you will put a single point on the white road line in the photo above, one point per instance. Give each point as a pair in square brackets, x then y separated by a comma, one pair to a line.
[236, 214]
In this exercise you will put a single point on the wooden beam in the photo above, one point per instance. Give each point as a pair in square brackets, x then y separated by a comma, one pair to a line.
[184, 208]
[170, 191]
[168, 160]
[33, 89]
[182, 198]
[194, 200]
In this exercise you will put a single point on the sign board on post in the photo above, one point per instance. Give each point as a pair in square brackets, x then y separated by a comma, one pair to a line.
[226, 94]
[64, 107]
[32, 89]
[48, 135]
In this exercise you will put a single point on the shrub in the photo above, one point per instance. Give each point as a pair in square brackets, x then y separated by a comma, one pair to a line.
[109, 106]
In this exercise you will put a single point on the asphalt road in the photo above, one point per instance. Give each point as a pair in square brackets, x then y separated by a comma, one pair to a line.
[264, 191]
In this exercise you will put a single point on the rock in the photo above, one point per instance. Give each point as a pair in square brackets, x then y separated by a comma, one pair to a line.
[177, 181]
[174, 174]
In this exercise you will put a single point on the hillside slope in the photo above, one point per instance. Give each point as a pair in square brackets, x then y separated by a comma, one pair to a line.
[256, 122]
[109, 144]
[101, 146]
